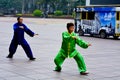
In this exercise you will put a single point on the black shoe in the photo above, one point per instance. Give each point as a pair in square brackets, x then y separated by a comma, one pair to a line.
[84, 73]
[57, 70]
[32, 59]
[9, 57]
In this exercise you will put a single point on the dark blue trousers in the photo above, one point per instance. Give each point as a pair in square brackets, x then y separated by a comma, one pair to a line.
[25, 46]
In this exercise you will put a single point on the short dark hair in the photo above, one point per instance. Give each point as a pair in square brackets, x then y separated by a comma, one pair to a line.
[69, 25]
[19, 17]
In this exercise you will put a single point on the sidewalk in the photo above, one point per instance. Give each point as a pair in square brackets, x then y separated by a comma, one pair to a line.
[102, 59]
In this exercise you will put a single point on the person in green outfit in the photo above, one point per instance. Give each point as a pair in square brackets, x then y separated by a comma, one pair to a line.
[68, 49]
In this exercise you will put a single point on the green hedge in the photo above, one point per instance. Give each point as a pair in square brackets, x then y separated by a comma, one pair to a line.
[37, 13]
[18, 14]
[58, 13]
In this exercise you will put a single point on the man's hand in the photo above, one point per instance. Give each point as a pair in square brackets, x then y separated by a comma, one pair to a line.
[21, 27]
[74, 37]
[89, 45]
[36, 34]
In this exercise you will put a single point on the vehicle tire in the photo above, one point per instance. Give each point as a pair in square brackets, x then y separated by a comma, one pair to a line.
[81, 32]
[91, 35]
[103, 34]
[115, 37]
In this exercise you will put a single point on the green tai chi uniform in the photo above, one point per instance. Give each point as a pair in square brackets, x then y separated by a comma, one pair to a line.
[68, 49]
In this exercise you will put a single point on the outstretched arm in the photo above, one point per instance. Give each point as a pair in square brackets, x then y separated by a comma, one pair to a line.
[28, 31]
[81, 42]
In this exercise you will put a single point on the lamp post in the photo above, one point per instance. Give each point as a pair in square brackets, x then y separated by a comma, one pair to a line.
[75, 21]
[23, 6]
[68, 8]
[46, 9]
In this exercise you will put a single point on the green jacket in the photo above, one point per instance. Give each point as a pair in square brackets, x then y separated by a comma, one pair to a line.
[68, 48]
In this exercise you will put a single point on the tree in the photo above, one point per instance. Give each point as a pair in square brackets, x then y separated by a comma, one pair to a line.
[6, 6]
[28, 6]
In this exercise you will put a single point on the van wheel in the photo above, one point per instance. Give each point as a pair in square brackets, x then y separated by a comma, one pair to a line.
[91, 35]
[103, 34]
[115, 37]
[81, 32]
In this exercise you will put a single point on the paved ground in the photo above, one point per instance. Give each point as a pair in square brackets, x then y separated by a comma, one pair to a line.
[102, 58]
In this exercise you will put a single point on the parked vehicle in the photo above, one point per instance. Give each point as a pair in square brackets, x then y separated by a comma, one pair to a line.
[98, 20]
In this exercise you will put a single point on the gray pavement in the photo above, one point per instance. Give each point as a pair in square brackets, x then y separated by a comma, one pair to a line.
[102, 58]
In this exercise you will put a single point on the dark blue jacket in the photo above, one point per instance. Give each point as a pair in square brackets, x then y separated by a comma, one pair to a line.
[19, 33]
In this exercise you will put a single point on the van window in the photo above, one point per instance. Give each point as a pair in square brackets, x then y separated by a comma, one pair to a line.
[88, 15]
[84, 15]
[91, 15]
[118, 15]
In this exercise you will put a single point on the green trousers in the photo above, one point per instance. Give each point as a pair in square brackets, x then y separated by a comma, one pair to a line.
[59, 59]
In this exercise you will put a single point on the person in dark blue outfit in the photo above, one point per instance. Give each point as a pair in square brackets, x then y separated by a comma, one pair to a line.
[18, 39]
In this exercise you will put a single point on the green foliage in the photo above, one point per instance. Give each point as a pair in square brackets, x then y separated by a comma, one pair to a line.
[6, 5]
[58, 13]
[1, 14]
[28, 6]
[37, 13]
[18, 14]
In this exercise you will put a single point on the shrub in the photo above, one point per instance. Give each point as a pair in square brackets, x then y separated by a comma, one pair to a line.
[58, 13]
[37, 13]
[18, 14]
[1, 14]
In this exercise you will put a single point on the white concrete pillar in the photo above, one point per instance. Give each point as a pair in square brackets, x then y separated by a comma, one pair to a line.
[87, 2]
